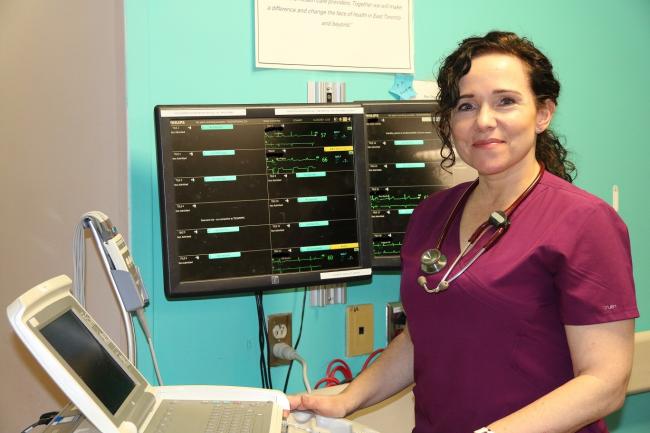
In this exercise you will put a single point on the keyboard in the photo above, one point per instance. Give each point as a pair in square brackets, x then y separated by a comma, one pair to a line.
[187, 416]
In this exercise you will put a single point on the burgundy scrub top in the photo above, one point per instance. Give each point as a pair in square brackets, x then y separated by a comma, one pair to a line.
[495, 340]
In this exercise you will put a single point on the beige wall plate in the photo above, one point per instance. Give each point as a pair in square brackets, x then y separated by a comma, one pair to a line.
[360, 334]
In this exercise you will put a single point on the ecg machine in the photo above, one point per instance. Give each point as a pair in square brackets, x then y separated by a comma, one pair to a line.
[112, 394]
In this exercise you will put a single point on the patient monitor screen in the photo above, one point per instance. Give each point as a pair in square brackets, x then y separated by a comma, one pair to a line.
[89, 360]
[404, 164]
[272, 197]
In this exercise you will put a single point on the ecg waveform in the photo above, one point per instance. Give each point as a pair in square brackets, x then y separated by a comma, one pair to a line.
[292, 170]
[314, 261]
[279, 134]
[298, 264]
[387, 244]
[381, 250]
[327, 135]
[272, 145]
[389, 201]
[279, 161]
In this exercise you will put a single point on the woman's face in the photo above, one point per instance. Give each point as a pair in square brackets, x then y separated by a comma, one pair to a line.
[496, 121]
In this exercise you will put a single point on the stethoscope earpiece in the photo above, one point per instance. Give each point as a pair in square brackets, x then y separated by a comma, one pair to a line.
[442, 285]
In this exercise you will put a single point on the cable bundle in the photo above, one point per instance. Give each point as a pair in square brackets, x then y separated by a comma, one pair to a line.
[79, 254]
[338, 365]
[263, 339]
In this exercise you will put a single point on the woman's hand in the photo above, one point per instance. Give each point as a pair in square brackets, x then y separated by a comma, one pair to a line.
[389, 374]
[334, 406]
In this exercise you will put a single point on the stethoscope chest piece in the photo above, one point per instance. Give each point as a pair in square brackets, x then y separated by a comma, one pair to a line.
[432, 261]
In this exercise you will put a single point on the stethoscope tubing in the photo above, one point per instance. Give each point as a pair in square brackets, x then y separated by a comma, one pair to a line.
[444, 282]
[501, 228]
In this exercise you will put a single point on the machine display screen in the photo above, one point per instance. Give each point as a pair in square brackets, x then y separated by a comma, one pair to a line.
[261, 197]
[89, 360]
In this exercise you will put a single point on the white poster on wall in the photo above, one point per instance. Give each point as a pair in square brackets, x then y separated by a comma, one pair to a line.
[343, 35]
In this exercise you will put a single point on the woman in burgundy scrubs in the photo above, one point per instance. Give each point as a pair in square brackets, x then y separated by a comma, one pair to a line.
[532, 329]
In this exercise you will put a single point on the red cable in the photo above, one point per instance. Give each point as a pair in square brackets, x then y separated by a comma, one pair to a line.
[347, 374]
[330, 381]
[370, 357]
[344, 365]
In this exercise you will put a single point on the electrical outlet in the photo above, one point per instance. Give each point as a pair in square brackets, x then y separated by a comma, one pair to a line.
[395, 320]
[360, 330]
[279, 331]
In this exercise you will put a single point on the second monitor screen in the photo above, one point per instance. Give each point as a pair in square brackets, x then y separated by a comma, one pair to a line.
[404, 164]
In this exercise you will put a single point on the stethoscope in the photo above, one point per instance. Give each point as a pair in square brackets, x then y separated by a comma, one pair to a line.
[433, 260]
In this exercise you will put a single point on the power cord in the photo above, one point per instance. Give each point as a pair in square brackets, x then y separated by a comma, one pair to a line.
[302, 319]
[263, 340]
[284, 351]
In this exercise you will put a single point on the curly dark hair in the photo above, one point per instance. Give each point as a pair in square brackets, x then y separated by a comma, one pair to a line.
[548, 149]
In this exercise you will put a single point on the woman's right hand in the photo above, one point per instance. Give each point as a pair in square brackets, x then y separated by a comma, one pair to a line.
[333, 406]
[390, 373]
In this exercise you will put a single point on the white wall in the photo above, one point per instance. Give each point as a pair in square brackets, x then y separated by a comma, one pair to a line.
[62, 153]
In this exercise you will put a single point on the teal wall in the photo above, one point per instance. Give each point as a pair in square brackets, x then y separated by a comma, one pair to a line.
[202, 51]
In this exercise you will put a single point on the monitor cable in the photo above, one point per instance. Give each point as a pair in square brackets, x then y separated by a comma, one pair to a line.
[263, 340]
[302, 319]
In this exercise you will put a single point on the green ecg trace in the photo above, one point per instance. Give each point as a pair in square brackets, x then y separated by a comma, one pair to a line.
[291, 170]
[297, 260]
[388, 244]
[291, 159]
[380, 252]
[291, 144]
[272, 165]
[290, 135]
[385, 201]
[308, 260]
[298, 268]
[337, 136]
[277, 264]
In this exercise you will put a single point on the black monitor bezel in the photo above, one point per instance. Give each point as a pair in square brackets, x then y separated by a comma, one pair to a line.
[176, 289]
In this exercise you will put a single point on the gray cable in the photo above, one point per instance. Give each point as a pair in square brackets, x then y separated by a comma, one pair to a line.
[304, 373]
[147, 333]
[94, 220]
[284, 351]
[79, 263]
